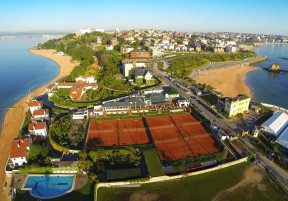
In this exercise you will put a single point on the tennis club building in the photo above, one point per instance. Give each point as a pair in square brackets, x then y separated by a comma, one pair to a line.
[275, 124]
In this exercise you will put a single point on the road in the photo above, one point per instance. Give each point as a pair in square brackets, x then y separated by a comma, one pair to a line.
[280, 174]
[235, 127]
[226, 64]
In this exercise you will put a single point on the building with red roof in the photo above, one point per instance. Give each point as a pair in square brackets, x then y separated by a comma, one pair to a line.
[76, 92]
[40, 115]
[19, 149]
[38, 129]
[35, 105]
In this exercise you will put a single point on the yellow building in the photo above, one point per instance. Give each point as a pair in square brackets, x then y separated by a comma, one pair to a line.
[234, 106]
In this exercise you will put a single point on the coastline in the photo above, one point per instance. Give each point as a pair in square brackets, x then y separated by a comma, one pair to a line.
[14, 117]
[229, 81]
[252, 47]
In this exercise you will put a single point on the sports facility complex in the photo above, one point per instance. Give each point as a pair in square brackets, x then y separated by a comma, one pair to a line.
[175, 136]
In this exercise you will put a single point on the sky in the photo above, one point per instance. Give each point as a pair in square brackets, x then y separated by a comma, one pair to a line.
[244, 16]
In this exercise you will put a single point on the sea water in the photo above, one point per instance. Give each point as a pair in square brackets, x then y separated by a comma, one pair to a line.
[21, 71]
[270, 87]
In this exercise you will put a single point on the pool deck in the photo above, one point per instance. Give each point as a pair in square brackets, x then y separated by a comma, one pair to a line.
[19, 180]
[50, 175]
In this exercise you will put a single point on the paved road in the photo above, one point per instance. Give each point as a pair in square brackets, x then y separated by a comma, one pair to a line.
[226, 64]
[280, 174]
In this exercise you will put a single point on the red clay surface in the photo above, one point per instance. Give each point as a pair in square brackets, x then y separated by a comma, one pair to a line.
[117, 132]
[180, 136]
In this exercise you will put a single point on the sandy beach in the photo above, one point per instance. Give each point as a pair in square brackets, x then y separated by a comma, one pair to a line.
[229, 81]
[251, 47]
[14, 117]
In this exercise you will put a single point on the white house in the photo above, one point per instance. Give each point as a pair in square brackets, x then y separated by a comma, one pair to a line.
[183, 48]
[231, 49]
[38, 128]
[83, 31]
[40, 115]
[19, 150]
[98, 110]
[99, 30]
[148, 75]
[109, 47]
[156, 51]
[80, 114]
[183, 102]
[128, 66]
[89, 79]
[35, 105]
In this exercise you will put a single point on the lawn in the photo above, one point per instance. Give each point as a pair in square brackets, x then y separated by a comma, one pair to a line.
[182, 163]
[86, 193]
[211, 99]
[200, 187]
[63, 92]
[153, 162]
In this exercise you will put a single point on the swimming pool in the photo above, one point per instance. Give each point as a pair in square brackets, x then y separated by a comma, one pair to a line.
[47, 186]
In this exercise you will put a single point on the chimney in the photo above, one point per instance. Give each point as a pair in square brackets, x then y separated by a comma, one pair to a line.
[18, 144]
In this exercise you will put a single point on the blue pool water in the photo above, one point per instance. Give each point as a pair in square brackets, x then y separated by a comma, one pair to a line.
[46, 187]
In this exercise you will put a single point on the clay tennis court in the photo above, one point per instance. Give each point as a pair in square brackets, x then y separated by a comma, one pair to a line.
[180, 136]
[117, 133]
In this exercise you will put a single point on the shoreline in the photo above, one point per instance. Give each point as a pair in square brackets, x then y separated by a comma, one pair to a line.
[229, 81]
[252, 47]
[14, 117]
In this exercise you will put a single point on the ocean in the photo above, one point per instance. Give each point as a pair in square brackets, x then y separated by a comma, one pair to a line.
[20, 70]
[270, 87]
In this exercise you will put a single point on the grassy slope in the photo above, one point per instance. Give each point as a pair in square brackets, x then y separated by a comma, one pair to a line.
[201, 188]
[153, 162]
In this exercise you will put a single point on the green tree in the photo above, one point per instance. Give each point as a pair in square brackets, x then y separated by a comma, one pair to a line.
[38, 155]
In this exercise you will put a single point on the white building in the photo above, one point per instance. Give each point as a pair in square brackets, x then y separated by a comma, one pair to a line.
[170, 92]
[231, 43]
[19, 150]
[35, 105]
[40, 115]
[231, 49]
[38, 129]
[89, 79]
[183, 102]
[99, 30]
[109, 47]
[85, 30]
[80, 115]
[126, 49]
[128, 66]
[156, 51]
[275, 124]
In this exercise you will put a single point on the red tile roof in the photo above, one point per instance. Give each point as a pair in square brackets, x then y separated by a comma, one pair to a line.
[40, 112]
[19, 146]
[91, 71]
[36, 126]
[76, 92]
[77, 84]
[35, 104]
